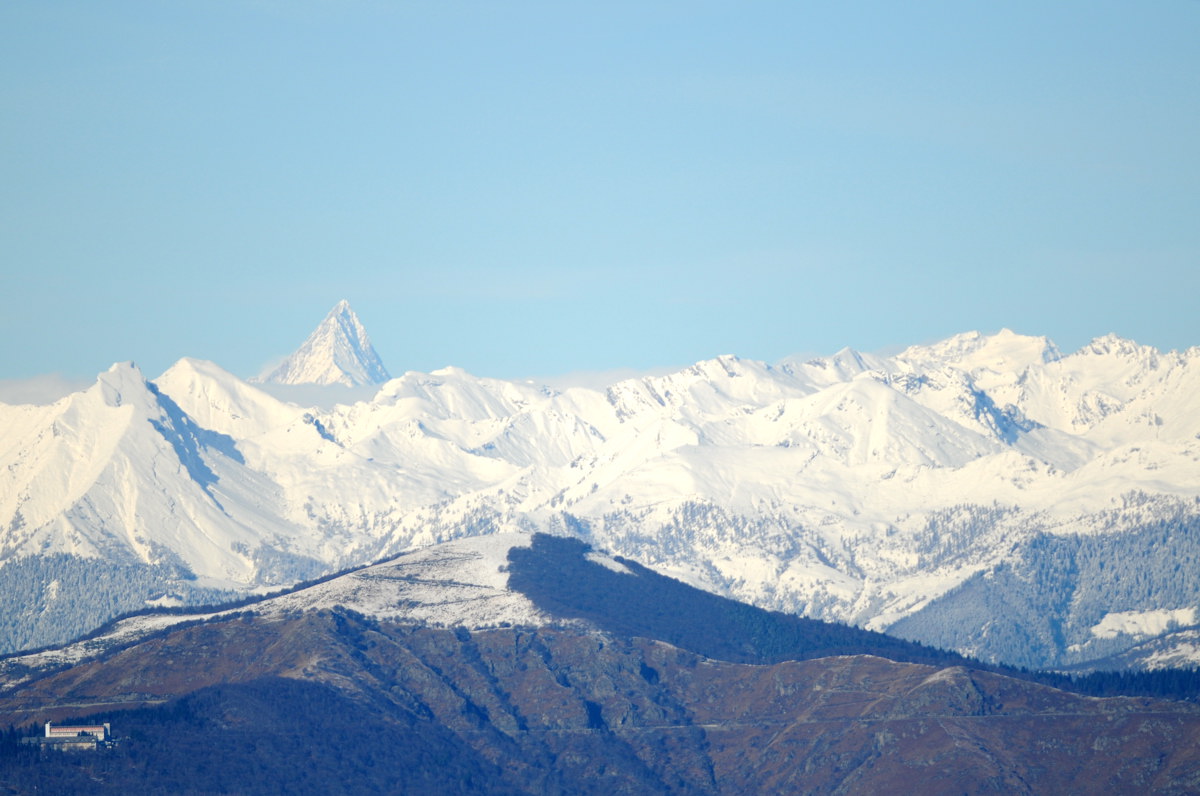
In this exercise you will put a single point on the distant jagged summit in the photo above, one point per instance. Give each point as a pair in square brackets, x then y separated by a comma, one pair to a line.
[337, 352]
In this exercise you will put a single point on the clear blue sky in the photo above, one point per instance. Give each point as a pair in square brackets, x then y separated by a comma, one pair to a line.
[530, 188]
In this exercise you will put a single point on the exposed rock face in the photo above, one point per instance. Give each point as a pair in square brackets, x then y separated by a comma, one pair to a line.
[573, 711]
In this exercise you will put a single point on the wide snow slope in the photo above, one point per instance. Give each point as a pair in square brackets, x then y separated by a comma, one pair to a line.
[855, 487]
[463, 583]
[120, 471]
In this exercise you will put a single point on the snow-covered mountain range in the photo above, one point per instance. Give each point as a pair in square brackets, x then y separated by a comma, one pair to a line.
[985, 493]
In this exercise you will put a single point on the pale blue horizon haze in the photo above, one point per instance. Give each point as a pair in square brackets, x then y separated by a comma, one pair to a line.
[528, 189]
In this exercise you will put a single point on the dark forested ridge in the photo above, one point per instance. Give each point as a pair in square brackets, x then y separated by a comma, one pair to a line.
[555, 573]
[265, 737]
[662, 689]
[335, 702]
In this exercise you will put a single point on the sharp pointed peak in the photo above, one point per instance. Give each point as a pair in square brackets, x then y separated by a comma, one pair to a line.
[337, 352]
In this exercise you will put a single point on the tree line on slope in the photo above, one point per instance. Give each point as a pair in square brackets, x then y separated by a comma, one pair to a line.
[52, 599]
[1039, 609]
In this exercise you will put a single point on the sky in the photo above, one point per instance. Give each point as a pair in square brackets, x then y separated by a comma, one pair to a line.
[527, 189]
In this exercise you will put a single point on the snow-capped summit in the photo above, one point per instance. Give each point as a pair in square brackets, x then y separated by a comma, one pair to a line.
[1002, 352]
[337, 352]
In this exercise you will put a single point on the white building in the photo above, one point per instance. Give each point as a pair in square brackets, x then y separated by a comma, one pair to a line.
[99, 732]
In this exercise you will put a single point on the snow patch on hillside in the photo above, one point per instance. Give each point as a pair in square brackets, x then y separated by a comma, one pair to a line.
[1143, 623]
[608, 563]
[463, 583]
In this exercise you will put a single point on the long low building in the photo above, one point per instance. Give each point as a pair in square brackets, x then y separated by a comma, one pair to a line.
[73, 736]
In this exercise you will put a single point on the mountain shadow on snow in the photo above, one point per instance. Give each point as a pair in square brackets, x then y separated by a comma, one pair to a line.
[556, 574]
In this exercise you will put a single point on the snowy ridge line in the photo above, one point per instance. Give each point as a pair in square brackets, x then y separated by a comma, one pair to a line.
[191, 612]
[432, 595]
[442, 593]
[186, 614]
